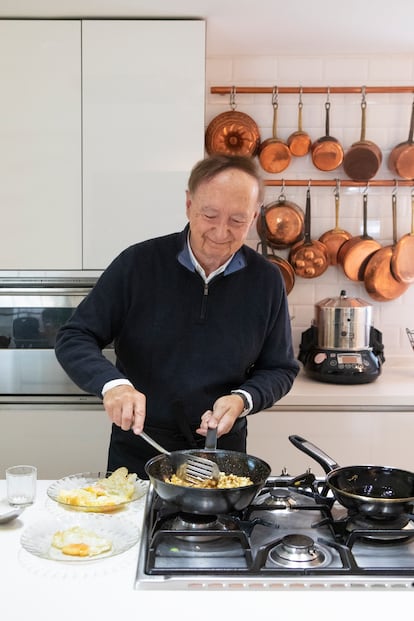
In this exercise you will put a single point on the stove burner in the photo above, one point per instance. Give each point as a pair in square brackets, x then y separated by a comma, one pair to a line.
[280, 498]
[398, 523]
[194, 523]
[299, 551]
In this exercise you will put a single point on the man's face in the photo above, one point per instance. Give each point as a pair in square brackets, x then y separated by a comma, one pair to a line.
[220, 213]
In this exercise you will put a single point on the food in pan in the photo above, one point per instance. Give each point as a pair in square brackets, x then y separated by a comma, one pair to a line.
[226, 481]
[109, 491]
[78, 541]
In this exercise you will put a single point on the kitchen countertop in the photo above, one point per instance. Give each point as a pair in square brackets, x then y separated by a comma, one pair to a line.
[393, 389]
[104, 588]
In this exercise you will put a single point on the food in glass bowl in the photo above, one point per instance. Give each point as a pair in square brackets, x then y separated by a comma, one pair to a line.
[99, 492]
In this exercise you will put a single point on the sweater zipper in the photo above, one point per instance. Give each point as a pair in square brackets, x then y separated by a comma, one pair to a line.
[204, 302]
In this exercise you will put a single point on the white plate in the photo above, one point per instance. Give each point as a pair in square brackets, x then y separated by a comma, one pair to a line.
[37, 538]
[77, 481]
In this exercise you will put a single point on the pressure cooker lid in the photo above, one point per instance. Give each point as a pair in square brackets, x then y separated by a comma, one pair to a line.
[343, 301]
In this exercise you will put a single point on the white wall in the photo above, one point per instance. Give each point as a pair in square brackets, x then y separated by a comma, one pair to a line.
[388, 117]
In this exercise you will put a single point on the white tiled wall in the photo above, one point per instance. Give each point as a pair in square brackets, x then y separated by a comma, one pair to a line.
[387, 124]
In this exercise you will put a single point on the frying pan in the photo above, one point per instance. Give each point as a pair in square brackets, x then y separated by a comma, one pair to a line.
[211, 501]
[334, 238]
[282, 223]
[354, 254]
[363, 158]
[232, 133]
[378, 492]
[309, 257]
[401, 158]
[285, 267]
[327, 152]
[299, 142]
[274, 154]
[402, 260]
[378, 277]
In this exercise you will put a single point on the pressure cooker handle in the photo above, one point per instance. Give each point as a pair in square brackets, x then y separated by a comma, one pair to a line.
[318, 455]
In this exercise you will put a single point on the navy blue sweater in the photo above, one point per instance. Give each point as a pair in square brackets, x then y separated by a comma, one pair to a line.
[176, 338]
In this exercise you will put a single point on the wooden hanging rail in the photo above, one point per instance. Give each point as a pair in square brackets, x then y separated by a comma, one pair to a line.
[342, 182]
[226, 90]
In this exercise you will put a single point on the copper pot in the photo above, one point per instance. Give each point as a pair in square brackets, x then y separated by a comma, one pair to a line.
[309, 257]
[378, 277]
[336, 237]
[327, 153]
[285, 267]
[363, 158]
[283, 223]
[274, 154]
[401, 158]
[354, 254]
[232, 132]
[402, 260]
[299, 142]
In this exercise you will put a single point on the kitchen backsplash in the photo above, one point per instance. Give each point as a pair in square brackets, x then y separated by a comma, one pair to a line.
[387, 124]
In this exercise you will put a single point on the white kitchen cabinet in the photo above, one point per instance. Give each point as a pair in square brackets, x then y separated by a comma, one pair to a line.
[58, 441]
[40, 144]
[143, 129]
[100, 124]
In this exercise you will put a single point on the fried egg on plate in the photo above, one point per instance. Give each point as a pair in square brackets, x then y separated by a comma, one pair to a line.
[77, 541]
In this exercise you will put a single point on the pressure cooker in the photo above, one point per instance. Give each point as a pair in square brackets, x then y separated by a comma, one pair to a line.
[342, 346]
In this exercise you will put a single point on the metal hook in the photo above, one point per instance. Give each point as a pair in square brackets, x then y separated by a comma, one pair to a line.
[233, 98]
[275, 96]
[337, 187]
[363, 102]
[300, 97]
[395, 187]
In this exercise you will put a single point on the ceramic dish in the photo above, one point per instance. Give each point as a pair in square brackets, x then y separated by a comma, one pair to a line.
[37, 538]
[81, 480]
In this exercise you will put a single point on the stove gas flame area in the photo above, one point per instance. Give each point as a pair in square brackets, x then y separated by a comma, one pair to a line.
[194, 523]
[299, 551]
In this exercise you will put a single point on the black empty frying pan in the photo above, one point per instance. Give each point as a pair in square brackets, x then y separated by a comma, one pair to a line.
[378, 492]
[210, 501]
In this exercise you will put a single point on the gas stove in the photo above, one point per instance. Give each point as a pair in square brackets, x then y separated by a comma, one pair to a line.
[294, 535]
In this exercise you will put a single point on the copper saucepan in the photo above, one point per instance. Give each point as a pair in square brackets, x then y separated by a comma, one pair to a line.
[299, 142]
[309, 257]
[288, 273]
[354, 254]
[401, 158]
[274, 154]
[232, 133]
[283, 223]
[378, 278]
[402, 260]
[363, 158]
[334, 238]
[327, 152]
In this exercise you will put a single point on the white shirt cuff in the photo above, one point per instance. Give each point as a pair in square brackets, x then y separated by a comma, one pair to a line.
[113, 383]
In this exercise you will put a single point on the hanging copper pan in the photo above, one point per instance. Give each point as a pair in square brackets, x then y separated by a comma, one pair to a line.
[401, 158]
[283, 223]
[363, 158]
[334, 238]
[285, 267]
[232, 133]
[354, 254]
[402, 261]
[274, 154]
[309, 258]
[299, 142]
[327, 152]
[378, 277]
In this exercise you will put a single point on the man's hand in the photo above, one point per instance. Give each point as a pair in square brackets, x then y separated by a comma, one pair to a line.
[226, 410]
[125, 407]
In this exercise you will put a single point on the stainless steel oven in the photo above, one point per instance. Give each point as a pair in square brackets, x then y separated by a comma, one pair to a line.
[31, 312]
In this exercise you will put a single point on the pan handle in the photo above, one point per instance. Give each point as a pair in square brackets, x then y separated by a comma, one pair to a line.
[318, 455]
